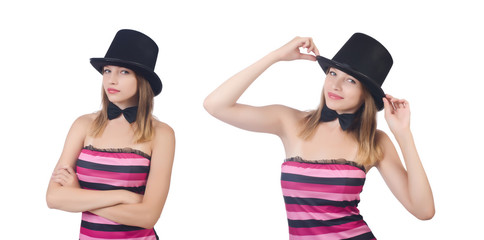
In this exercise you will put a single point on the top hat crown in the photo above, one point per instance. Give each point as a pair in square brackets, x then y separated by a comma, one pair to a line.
[366, 59]
[133, 50]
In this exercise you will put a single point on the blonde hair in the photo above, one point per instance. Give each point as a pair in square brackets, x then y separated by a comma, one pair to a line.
[363, 129]
[143, 126]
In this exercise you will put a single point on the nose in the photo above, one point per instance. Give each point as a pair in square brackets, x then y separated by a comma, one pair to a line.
[336, 84]
[112, 78]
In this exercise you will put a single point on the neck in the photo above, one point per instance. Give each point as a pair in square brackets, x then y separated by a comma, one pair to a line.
[347, 111]
[125, 104]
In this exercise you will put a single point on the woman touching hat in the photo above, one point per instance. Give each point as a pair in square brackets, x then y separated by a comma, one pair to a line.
[329, 150]
[116, 164]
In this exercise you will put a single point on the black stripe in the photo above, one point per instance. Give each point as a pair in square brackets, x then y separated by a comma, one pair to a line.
[319, 202]
[100, 186]
[320, 223]
[327, 181]
[111, 168]
[108, 227]
[364, 236]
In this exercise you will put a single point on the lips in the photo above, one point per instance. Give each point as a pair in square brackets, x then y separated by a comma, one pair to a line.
[112, 90]
[334, 96]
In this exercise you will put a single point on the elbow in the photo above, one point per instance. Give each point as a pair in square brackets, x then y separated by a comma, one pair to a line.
[208, 105]
[52, 202]
[55, 201]
[147, 218]
[147, 225]
[425, 214]
[149, 222]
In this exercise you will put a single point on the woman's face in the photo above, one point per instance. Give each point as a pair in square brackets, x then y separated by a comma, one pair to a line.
[120, 85]
[342, 92]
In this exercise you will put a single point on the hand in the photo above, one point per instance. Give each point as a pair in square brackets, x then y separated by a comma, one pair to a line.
[131, 197]
[65, 176]
[397, 114]
[290, 51]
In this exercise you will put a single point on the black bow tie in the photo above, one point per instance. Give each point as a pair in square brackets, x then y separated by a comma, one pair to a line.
[128, 113]
[345, 119]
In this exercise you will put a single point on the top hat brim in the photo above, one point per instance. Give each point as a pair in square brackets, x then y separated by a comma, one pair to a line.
[148, 74]
[375, 90]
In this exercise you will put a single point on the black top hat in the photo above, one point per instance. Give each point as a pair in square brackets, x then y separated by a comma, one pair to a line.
[366, 59]
[136, 51]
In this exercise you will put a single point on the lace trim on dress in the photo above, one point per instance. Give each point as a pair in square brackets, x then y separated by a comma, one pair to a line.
[119, 150]
[326, 161]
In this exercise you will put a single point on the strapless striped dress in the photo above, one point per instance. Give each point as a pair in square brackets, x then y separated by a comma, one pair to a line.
[321, 199]
[110, 169]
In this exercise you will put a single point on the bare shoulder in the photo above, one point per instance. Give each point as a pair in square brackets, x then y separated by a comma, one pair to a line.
[163, 143]
[85, 120]
[162, 131]
[83, 123]
[390, 155]
[383, 140]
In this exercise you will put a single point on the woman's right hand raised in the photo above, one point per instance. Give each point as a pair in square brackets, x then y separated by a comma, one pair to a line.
[291, 50]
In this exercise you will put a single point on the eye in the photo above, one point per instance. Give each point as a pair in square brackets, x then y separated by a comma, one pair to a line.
[351, 81]
[332, 73]
[124, 72]
[106, 71]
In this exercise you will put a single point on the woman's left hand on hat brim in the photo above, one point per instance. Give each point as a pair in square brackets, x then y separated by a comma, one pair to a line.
[397, 114]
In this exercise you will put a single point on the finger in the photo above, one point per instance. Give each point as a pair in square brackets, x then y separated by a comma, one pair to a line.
[71, 171]
[399, 103]
[310, 45]
[315, 50]
[307, 42]
[60, 179]
[63, 174]
[407, 105]
[389, 97]
[307, 57]
[387, 105]
[60, 171]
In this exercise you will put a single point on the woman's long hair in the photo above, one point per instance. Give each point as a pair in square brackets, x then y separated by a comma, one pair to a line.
[363, 129]
[143, 126]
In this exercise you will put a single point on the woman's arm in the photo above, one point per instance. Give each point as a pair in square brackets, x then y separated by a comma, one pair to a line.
[146, 213]
[222, 102]
[63, 192]
[411, 186]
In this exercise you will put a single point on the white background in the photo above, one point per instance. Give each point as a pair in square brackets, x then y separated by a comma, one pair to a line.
[225, 182]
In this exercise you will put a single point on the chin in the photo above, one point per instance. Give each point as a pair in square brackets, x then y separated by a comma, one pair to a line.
[334, 105]
[341, 107]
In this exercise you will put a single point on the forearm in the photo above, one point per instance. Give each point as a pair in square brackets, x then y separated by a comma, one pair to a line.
[80, 200]
[227, 94]
[420, 192]
[140, 214]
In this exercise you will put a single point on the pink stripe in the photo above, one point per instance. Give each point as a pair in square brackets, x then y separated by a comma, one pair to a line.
[85, 237]
[325, 209]
[325, 230]
[334, 236]
[115, 160]
[321, 187]
[93, 218]
[330, 166]
[109, 154]
[111, 175]
[115, 235]
[315, 215]
[327, 173]
[320, 195]
[112, 182]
